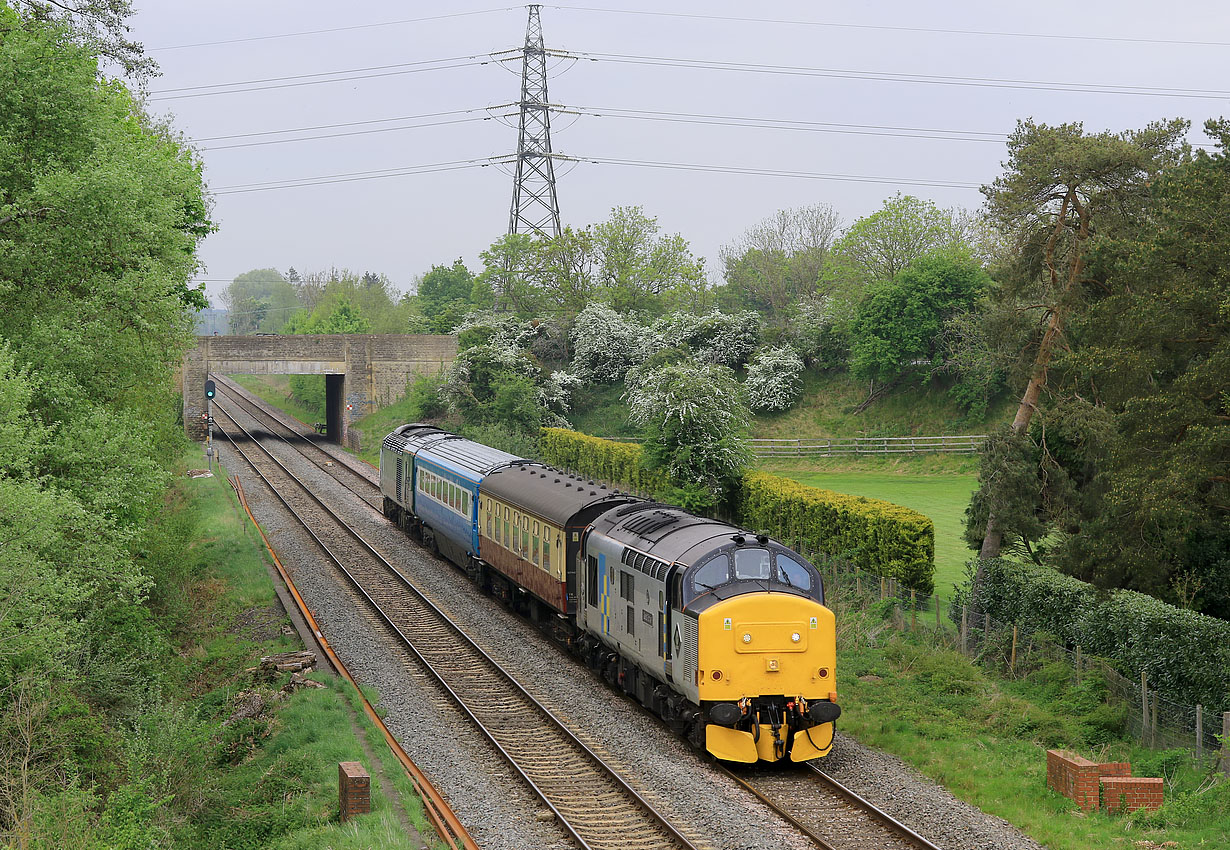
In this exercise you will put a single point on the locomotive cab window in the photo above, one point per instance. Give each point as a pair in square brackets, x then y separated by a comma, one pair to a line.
[792, 573]
[711, 575]
[752, 564]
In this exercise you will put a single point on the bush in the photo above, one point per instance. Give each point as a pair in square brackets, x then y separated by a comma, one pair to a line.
[605, 344]
[773, 381]
[721, 338]
[619, 463]
[878, 536]
[1185, 655]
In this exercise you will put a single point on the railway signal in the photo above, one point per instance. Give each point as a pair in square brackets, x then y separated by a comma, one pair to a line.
[210, 390]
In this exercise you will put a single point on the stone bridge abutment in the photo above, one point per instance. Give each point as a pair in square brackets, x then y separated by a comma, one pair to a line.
[362, 371]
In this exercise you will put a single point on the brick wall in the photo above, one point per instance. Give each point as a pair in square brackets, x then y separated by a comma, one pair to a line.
[1129, 793]
[1092, 785]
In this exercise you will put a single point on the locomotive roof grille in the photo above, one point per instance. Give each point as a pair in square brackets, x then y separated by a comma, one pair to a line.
[651, 522]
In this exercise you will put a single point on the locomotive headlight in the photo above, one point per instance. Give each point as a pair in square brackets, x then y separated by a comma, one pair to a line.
[796, 637]
[747, 638]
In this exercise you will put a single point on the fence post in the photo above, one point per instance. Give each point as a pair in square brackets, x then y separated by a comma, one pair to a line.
[1225, 743]
[913, 612]
[1199, 730]
[1153, 734]
[1012, 659]
[1078, 665]
[1144, 709]
[964, 630]
[883, 593]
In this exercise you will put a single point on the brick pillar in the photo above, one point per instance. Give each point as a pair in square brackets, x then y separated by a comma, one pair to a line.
[353, 789]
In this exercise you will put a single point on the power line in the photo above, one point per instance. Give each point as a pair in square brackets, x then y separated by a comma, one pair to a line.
[884, 76]
[386, 173]
[224, 88]
[331, 29]
[340, 135]
[335, 126]
[352, 177]
[885, 27]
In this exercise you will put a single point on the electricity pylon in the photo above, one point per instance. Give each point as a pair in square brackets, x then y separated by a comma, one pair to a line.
[535, 208]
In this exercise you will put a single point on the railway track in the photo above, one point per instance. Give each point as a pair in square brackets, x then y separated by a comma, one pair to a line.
[827, 812]
[589, 799]
[349, 477]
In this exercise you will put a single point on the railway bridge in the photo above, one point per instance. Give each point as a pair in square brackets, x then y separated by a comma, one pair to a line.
[362, 371]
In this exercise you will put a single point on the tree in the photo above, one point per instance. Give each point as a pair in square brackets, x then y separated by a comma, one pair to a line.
[694, 419]
[99, 25]
[1156, 350]
[879, 246]
[777, 262]
[1060, 190]
[444, 295]
[639, 269]
[606, 345]
[261, 301]
[898, 326]
[504, 282]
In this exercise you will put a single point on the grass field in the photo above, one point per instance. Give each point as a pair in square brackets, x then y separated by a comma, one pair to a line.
[941, 494]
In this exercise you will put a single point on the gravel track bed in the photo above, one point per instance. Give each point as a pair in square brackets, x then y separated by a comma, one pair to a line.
[484, 792]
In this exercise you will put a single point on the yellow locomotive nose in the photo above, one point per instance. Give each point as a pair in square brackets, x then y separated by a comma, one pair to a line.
[765, 644]
[762, 658]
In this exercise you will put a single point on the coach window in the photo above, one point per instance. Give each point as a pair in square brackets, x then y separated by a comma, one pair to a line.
[535, 550]
[497, 528]
[546, 551]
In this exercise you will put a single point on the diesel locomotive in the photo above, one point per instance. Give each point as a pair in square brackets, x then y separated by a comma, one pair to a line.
[722, 632]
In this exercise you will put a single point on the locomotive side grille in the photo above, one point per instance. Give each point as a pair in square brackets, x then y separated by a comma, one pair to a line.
[687, 652]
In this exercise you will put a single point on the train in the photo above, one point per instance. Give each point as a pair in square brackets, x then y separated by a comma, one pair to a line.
[722, 632]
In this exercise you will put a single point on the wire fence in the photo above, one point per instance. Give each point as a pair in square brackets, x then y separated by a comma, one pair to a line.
[1014, 652]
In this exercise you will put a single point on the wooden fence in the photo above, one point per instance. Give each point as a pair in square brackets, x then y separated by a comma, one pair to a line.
[965, 444]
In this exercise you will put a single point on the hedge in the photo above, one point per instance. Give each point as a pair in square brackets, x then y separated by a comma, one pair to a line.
[1185, 655]
[618, 463]
[881, 537]
[877, 536]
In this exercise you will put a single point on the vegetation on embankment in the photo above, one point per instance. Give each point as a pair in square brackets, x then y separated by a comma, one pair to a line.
[983, 734]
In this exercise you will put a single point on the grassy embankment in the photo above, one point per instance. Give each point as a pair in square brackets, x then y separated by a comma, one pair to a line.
[984, 734]
[270, 781]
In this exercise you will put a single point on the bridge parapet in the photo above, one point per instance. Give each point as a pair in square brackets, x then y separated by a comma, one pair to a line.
[372, 370]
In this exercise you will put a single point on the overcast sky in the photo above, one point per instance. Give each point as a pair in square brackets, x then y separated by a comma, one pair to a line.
[868, 99]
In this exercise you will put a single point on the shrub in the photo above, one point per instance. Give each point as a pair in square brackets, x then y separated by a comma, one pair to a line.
[773, 381]
[721, 338]
[878, 536]
[1185, 655]
[605, 344]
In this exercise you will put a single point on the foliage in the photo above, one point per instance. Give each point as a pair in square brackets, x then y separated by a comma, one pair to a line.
[820, 332]
[259, 301]
[897, 326]
[773, 381]
[605, 344]
[719, 338]
[1185, 655]
[695, 422]
[879, 246]
[877, 536]
[778, 261]
[607, 460]
[444, 296]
